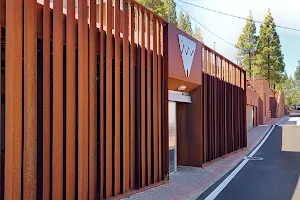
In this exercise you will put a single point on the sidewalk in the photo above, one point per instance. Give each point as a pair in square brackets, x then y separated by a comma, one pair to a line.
[273, 121]
[191, 182]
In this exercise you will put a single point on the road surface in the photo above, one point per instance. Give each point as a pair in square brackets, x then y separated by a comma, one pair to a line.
[274, 174]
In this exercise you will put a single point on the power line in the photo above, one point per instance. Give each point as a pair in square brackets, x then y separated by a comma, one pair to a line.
[238, 17]
[206, 28]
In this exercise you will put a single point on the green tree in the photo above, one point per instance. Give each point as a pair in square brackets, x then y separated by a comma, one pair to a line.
[184, 23]
[161, 8]
[269, 58]
[157, 6]
[297, 72]
[197, 33]
[172, 9]
[284, 77]
[246, 45]
[291, 91]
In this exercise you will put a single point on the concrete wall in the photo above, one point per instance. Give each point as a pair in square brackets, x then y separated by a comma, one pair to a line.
[250, 116]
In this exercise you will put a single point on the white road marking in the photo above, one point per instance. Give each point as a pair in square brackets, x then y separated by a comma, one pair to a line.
[222, 186]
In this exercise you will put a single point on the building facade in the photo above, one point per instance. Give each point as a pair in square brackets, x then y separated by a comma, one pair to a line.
[108, 101]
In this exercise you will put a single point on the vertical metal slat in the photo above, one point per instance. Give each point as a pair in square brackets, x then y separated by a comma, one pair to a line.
[155, 116]
[92, 103]
[126, 105]
[71, 102]
[46, 100]
[132, 98]
[143, 99]
[149, 102]
[57, 164]
[109, 115]
[30, 100]
[159, 102]
[83, 114]
[102, 98]
[13, 99]
[117, 102]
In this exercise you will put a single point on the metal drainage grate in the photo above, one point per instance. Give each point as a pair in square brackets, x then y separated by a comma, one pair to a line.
[253, 158]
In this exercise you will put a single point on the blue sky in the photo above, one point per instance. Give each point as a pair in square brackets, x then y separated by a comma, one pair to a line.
[285, 13]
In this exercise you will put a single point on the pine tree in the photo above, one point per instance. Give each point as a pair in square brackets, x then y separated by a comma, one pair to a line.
[184, 23]
[297, 73]
[284, 76]
[189, 24]
[181, 21]
[246, 45]
[172, 9]
[269, 58]
[197, 33]
[159, 7]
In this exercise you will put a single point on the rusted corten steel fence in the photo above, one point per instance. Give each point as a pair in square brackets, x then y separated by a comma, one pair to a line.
[224, 106]
[86, 113]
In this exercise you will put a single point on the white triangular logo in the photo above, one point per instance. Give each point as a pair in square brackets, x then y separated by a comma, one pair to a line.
[187, 49]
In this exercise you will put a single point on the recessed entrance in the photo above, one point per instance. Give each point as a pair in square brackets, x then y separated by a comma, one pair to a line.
[175, 98]
[172, 137]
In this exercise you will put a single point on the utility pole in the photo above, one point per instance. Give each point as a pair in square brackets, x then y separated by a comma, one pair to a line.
[214, 46]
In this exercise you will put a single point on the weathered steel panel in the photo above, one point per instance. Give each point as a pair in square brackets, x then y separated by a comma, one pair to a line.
[159, 101]
[132, 97]
[30, 100]
[143, 98]
[165, 105]
[71, 101]
[126, 101]
[138, 143]
[57, 153]
[109, 108]
[101, 121]
[92, 102]
[227, 101]
[46, 100]
[155, 104]
[130, 148]
[117, 101]
[83, 125]
[13, 99]
[149, 101]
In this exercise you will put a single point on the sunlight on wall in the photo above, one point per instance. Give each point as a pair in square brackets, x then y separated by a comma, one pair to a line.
[289, 138]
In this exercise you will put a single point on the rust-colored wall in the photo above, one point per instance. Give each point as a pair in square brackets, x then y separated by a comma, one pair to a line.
[280, 103]
[224, 118]
[262, 89]
[177, 75]
[252, 97]
[252, 100]
[189, 130]
[92, 109]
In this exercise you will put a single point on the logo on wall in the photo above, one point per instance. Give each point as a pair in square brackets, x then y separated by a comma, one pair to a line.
[187, 49]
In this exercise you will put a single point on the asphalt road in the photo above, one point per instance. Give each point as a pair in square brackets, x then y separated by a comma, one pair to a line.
[277, 176]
